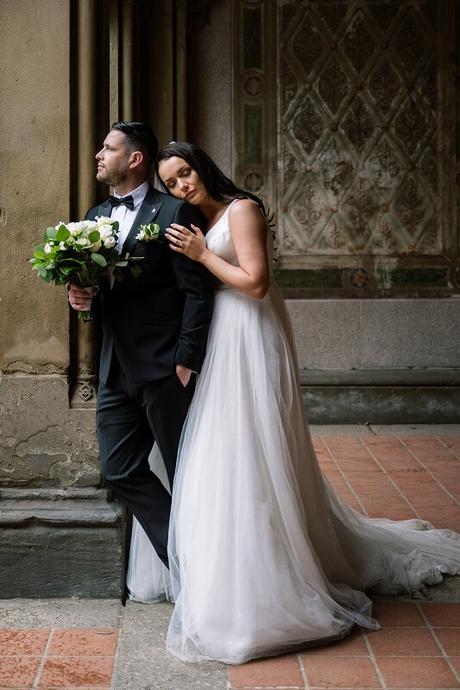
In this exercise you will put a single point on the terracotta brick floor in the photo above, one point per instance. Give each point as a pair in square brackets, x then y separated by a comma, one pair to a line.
[58, 658]
[418, 646]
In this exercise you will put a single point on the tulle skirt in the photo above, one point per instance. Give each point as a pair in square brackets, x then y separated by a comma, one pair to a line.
[264, 556]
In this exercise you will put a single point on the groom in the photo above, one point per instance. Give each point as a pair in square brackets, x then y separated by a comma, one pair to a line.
[154, 327]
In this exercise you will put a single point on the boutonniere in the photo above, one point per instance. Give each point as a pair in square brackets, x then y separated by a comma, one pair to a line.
[148, 233]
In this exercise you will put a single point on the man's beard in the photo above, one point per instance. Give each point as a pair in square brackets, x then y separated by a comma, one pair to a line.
[112, 178]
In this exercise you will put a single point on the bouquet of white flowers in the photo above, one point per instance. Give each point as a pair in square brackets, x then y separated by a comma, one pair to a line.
[81, 253]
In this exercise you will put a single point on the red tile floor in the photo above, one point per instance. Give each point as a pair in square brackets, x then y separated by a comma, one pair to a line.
[59, 658]
[418, 646]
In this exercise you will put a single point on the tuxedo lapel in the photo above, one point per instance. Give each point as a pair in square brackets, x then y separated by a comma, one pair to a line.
[147, 213]
[105, 209]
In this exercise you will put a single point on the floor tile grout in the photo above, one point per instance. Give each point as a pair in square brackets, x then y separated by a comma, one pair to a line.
[373, 661]
[303, 672]
[444, 444]
[436, 480]
[43, 659]
[395, 485]
[121, 616]
[438, 642]
[350, 486]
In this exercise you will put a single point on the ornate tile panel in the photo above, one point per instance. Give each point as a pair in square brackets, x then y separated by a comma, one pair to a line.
[357, 136]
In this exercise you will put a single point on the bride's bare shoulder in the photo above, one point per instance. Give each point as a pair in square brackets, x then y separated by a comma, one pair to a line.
[245, 209]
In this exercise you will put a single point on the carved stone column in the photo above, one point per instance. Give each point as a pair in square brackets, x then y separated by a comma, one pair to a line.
[126, 57]
[83, 144]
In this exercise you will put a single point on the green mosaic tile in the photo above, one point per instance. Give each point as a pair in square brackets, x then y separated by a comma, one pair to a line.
[415, 277]
[253, 134]
[252, 38]
[301, 278]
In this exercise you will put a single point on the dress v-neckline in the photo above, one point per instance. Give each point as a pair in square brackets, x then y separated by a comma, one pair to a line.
[226, 210]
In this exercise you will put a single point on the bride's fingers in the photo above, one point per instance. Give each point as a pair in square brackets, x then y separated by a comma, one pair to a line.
[174, 239]
[196, 230]
[176, 248]
[180, 229]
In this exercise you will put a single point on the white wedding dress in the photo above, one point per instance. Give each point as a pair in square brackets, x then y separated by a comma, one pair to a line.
[264, 556]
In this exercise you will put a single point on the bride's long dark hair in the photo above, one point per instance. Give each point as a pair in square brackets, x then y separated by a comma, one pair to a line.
[218, 185]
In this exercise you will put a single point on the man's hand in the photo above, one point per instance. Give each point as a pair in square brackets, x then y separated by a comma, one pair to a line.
[80, 298]
[183, 374]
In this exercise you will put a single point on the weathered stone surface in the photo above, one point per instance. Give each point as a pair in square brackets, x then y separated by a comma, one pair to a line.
[374, 334]
[34, 188]
[142, 655]
[60, 613]
[42, 441]
[60, 544]
[356, 404]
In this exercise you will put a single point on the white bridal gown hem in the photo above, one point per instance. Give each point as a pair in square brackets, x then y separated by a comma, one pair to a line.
[148, 580]
[264, 556]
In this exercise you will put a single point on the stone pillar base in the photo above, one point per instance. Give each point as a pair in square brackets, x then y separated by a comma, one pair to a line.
[385, 396]
[60, 543]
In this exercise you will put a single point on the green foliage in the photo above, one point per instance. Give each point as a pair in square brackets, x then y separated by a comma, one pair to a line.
[81, 253]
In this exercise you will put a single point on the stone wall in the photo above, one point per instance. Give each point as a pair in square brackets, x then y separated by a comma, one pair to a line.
[50, 525]
[35, 179]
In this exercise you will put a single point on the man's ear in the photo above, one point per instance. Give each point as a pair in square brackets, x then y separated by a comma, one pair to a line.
[136, 158]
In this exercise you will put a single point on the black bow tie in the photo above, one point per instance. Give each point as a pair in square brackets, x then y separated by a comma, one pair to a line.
[128, 201]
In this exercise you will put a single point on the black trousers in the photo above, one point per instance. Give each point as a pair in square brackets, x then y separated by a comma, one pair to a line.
[130, 418]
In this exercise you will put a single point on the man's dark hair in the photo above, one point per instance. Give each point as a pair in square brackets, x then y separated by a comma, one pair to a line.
[140, 138]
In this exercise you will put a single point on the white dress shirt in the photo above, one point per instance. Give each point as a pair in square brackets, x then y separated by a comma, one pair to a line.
[124, 215]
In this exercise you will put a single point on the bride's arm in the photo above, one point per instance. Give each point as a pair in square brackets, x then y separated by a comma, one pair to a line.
[249, 234]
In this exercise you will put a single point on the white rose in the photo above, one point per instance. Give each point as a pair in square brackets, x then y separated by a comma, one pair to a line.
[87, 225]
[48, 248]
[83, 242]
[74, 230]
[109, 242]
[103, 220]
[105, 231]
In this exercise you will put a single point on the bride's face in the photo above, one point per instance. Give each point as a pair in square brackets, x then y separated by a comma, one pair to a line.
[182, 180]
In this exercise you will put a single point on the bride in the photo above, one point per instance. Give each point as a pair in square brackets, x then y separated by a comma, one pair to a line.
[264, 556]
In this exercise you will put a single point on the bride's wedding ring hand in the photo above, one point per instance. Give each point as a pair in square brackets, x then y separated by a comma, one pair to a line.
[185, 241]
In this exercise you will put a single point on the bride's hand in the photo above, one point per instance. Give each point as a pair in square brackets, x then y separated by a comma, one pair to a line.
[188, 242]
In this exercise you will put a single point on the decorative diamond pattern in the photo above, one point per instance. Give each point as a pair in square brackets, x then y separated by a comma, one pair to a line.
[384, 84]
[289, 84]
[336, 170]
[412, 207]
[307, 125]
[332, 14]
[290, 167]
[307, 45]
[410, 45]
[358, 124]
[358, 43]
[333, 85]
[385, 168]
[410, 126]
[371, 79]
[384, 13]
[360, 209]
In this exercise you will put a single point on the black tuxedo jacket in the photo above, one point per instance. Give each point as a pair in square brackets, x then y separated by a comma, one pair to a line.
[161, 318]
